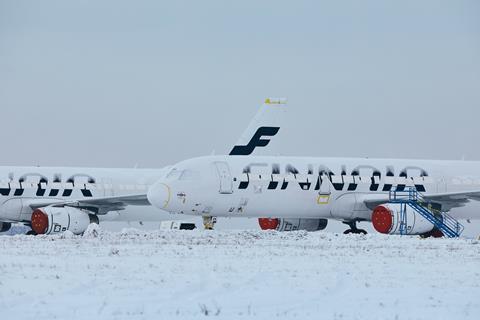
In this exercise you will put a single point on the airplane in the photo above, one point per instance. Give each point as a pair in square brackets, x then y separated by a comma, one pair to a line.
[411, 197]
[54, 200]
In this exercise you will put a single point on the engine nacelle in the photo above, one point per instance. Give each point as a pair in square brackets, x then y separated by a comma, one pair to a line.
[52, 220]
[292, 224]
[386, 219]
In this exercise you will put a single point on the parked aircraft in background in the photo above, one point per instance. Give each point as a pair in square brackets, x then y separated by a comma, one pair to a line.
[53, 200]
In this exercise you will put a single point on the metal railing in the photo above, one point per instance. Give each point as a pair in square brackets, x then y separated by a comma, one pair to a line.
[449, 226]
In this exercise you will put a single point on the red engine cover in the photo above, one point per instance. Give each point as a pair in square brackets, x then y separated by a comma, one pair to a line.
[39, 221]
[382, 219]
[268, 224]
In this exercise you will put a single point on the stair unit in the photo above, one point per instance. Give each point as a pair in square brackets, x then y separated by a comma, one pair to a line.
[449, 226]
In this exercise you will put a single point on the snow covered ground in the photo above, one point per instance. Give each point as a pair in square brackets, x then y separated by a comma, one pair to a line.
[237, 275]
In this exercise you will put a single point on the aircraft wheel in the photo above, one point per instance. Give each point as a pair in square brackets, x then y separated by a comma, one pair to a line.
[31, 233]
[357, 231]
[5, 226]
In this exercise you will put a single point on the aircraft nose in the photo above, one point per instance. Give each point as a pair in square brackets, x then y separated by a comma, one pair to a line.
[159, 195]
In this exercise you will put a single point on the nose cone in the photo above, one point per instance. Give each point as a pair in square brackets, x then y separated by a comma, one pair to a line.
[159, 195]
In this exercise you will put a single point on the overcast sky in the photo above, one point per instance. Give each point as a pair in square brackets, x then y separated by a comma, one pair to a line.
[119, 83]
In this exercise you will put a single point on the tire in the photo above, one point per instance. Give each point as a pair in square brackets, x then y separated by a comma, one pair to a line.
[5, 226]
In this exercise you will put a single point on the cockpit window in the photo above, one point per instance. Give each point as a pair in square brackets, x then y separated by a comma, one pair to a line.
[189, 175]
[174, 174]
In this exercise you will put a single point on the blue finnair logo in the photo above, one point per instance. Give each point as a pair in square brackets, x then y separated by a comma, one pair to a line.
[256, 141]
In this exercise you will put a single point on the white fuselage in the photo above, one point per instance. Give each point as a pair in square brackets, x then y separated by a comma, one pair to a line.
[22, 186]
[300, 187]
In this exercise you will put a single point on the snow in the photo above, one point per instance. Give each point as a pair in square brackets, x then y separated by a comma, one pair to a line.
[231, 274]
[472, 228]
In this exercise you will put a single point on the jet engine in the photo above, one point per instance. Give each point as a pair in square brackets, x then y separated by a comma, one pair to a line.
[386, 219]
[52, 220]
[292, 224]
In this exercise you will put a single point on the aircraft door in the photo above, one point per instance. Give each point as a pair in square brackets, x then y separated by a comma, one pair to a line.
[325, 191]
[225, 177]
[325, 187]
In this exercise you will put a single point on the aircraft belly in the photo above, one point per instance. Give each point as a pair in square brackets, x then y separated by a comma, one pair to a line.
[348, 206]
[137, 213]
[282, 205]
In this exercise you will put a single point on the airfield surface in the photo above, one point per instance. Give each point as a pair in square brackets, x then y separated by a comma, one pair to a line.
[237, 275]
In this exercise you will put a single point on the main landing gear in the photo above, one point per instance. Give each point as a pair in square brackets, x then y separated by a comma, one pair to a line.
[353, 228]
[30, 231]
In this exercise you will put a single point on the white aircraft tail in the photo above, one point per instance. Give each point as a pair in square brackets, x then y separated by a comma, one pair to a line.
[266, 125]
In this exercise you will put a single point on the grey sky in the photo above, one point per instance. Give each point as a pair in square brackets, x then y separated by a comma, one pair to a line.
[114, 83]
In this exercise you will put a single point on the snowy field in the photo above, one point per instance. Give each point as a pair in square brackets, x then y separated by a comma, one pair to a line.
[237, 275]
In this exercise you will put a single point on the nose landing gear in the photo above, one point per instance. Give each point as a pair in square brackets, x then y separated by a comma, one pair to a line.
[353, 228]
[209, 222]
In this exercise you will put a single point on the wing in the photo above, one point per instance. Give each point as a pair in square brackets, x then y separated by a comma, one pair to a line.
[453, 199]
[448, 200]
[97, 205]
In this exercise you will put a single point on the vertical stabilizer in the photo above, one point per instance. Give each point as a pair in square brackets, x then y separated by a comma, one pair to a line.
[256, 139]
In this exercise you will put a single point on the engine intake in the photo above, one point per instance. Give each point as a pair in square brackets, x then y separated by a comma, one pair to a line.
[52, 220]
[292, 224]
[386, 219]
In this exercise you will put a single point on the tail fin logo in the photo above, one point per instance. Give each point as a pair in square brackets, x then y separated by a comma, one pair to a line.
[256, 141]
